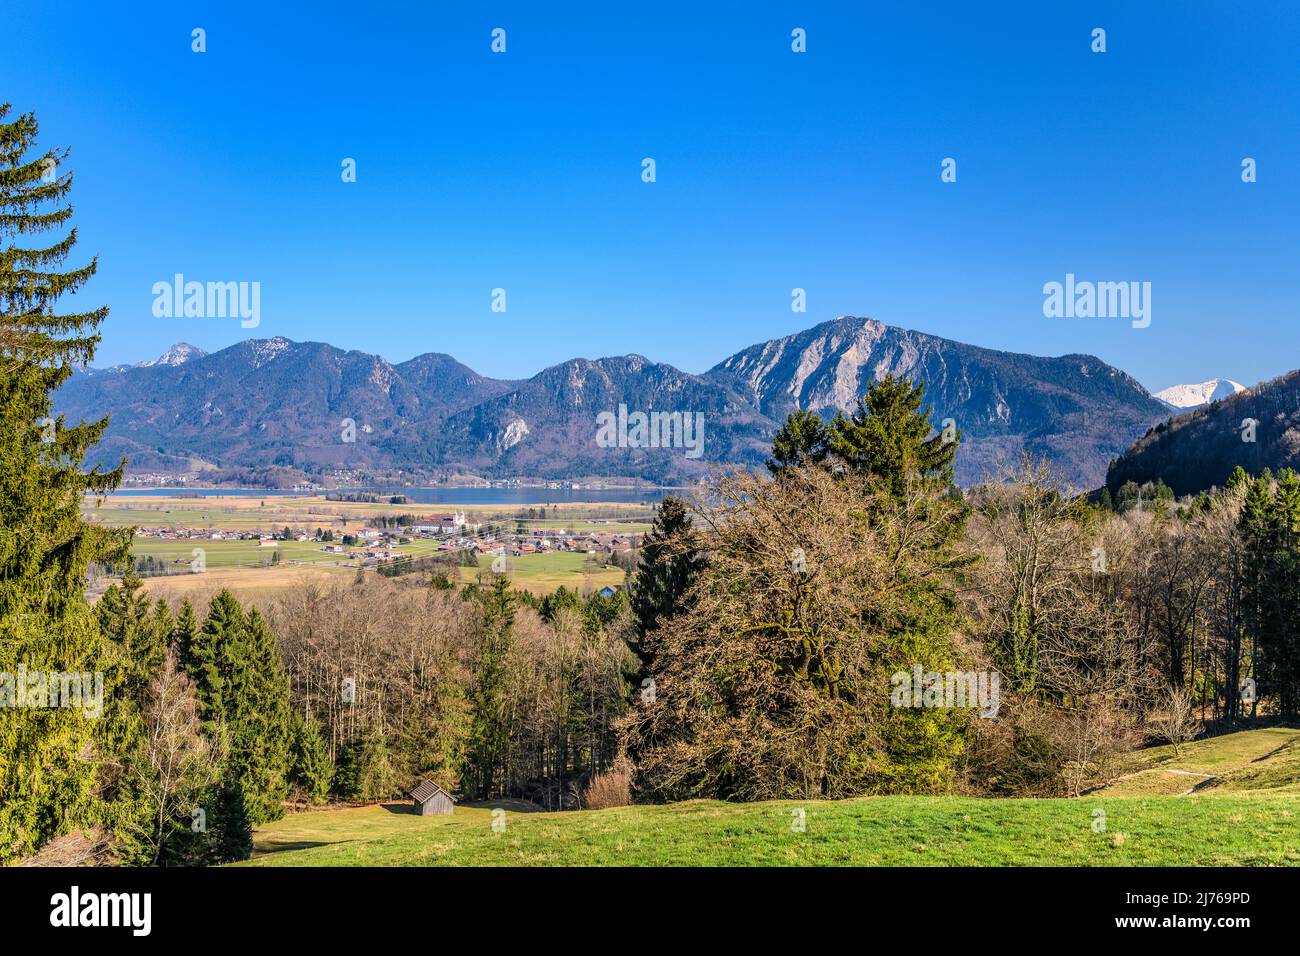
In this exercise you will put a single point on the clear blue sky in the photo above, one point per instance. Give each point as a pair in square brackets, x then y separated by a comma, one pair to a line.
[775, 170]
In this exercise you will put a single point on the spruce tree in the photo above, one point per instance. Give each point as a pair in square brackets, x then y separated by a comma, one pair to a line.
[45, 545]
[214, 657]
[888, 436]
[490, 735]
[804, 439]
[136, 636]
[1258, 574]
[243, 697]
[230, 828]
[260, 724]
[184, 634]
[1238, 479]
[139, 631]
[1279, 664]
[310, 765]
[671, 559]
[888, 441]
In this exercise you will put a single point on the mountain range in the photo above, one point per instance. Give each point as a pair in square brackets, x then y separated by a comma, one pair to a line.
[276, 403]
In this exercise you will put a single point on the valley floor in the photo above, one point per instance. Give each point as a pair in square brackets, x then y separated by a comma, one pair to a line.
[1255, 821]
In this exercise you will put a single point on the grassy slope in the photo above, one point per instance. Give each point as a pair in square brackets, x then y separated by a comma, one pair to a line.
[1252, 761]
[1253, 819]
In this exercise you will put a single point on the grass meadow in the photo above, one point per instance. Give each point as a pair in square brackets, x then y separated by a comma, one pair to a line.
[1249, 817]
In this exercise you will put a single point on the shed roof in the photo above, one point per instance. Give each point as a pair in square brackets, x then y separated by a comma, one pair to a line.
[426, 790]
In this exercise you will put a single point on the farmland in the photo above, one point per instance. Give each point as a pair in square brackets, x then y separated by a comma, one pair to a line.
[180, 529]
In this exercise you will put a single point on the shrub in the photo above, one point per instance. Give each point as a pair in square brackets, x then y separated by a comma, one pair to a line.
[613, 788]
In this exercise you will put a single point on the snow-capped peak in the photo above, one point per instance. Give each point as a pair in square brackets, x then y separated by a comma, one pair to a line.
[178, 354]
[1186, 397]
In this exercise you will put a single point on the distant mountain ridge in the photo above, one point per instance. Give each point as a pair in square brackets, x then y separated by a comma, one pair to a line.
[273, 402]
[178, 354]
[1075, 410]
[1187, 397]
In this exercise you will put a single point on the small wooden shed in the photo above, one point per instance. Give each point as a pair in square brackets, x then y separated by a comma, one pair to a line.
[430, 799]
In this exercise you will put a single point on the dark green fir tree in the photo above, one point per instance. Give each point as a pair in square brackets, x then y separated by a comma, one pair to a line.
[671, 559]
[46, 782]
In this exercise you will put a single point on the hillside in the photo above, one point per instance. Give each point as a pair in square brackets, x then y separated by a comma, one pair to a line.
[1256, 822]
[1198, 449]
[274, 402]
[1257, 761]
[553, 420]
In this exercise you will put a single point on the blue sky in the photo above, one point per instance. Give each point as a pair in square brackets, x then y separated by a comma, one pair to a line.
[775, 170]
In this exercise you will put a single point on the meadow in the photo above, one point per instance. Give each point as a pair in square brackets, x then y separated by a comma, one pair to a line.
[1251, 819]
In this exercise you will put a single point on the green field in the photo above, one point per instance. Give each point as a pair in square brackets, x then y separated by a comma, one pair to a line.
[542, 573]
[248, 554]
[1242, 827]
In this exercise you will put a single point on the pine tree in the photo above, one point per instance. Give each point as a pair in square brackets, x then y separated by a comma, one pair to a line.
[45, 546]
[671, 559]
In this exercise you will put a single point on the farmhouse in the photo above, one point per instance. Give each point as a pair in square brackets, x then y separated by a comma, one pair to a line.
[431, 800]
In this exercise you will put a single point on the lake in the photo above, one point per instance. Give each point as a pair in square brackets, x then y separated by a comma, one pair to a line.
[442, 496]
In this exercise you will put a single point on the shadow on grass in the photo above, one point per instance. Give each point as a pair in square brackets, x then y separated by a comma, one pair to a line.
[266, 849]
[399, 807]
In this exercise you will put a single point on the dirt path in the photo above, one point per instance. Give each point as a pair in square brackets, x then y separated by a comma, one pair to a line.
[1206, 779]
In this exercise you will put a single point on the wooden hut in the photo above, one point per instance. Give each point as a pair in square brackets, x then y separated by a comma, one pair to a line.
[430, 799]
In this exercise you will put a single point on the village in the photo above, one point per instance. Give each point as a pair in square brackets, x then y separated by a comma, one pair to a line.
[450, 533]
